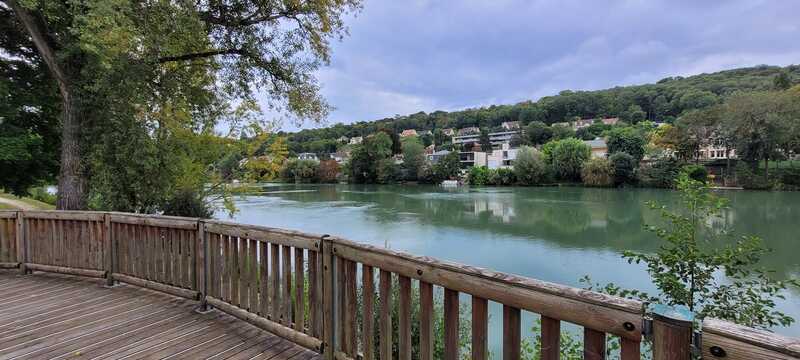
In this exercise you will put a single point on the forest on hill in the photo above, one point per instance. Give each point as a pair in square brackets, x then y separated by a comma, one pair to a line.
[663, 101]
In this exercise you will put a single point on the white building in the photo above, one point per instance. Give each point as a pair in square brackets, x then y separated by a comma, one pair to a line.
[308, 156]
[502, 157]
[598, 146]
[355, 140]
[510, 125]
[496, 138]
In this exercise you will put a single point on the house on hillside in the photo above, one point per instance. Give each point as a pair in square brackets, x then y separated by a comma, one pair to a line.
[510, 125]
[469, 130]
[598, 146]
[563, 124]
[496, 138]
[408, 132]
[502, 157]
[355, 140]
[582, 123]
[611, 121]
[307, 156]
[339, 156]
[434, 157]
[343, 139]
[430, 149]
[449, 132]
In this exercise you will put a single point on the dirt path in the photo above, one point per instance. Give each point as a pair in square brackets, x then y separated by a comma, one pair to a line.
[16, 203]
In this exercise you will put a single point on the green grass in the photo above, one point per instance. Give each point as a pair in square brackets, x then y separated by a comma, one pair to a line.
[34, 203]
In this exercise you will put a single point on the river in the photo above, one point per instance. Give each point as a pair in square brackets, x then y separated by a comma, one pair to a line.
[557, 234]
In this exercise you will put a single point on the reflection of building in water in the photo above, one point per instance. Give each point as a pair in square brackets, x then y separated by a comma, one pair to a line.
[496, 207]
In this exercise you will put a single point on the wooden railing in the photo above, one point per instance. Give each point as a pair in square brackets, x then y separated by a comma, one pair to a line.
[338, 297]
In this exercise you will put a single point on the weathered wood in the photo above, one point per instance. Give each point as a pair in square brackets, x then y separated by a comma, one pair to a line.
[404, 321]
[480, 328]
[740, 342]
[386, 315]
[23, 243]
[64, 215]
[594, 344]
[266, 234]
[275, 264]
[672, 337]
[111, 250]
[66, 270]
[451, 320]
[314, 294]
[551, 338]
[583, 307]
[368, 294]
[148, 284]
[629, 349]
[286, 274]
[425, 321]
[9, 265]
[299, 290]
[235, 269]
[155, 221]
[201, 264]
[348, 308]
[275, 328]
[263, 280]
[511, 333]
[327, 298]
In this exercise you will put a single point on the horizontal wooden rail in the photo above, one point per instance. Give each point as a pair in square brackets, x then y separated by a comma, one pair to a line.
[725, 340]
[345, 299]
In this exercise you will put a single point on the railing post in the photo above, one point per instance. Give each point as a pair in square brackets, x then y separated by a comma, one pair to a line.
[203, 238]
[328, 325]
[111, 250]
[22, 243]
[201, 265]
[672, 333]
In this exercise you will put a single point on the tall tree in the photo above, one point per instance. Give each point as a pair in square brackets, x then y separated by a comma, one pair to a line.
[158, 54]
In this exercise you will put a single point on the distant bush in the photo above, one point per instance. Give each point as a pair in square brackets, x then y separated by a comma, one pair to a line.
[749, 180]
[597, 172]
[624, 166]
[189, 203]
[566, 157]
[478, 175]
[696, 172]
[789, 177]
[502, 177]
[660, 173]
[41, 194]
[304, 171]
[529, 167]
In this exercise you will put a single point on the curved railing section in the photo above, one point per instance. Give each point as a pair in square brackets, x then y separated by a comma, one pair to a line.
[338, 297]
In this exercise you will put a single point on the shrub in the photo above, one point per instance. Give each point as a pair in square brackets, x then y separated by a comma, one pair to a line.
[660, 173]
[502, 177]
[749, 180]
[529, 167]
[295, 170]
[597, 172]
[626, 140]
[566, 157]
[41, 194]
[696, 172]
[478, 175]
[624, 166]
[328, 171]
[189, 203]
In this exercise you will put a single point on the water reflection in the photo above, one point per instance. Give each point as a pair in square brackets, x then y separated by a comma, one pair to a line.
[555, 234]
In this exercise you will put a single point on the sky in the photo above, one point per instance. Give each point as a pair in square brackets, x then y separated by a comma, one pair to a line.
[406, 56]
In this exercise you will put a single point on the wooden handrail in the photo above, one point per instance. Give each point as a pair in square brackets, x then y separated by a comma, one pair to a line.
[268, 277]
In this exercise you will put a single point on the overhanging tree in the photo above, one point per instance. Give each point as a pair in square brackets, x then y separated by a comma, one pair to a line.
[144, 62]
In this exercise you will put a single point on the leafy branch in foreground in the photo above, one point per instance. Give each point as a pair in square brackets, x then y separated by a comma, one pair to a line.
[704, 267]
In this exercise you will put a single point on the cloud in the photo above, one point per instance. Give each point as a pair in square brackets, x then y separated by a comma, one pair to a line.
[427, 55]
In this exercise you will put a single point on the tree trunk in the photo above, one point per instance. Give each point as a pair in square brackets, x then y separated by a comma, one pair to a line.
[71, 179]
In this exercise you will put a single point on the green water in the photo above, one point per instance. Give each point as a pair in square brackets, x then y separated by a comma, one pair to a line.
[553, 234]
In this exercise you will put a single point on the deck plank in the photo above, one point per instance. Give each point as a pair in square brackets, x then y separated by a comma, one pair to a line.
[50, 316]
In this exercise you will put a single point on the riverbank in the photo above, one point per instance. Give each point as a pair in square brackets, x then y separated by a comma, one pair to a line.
[11, 202]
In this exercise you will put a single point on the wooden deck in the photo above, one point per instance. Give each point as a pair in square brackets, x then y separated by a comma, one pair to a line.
[45, 316]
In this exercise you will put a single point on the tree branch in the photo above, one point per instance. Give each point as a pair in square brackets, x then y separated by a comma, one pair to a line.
[201, 55]
[39, 40]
